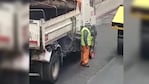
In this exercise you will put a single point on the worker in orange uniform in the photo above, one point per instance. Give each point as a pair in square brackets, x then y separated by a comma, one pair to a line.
[86, 42]
[79, 4]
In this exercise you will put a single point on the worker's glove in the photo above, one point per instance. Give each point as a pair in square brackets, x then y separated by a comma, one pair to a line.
[92, 55]
[86, 46]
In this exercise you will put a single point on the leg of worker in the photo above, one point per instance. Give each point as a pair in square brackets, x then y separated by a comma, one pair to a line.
[86, 60]
[81, 55]
[85, 56]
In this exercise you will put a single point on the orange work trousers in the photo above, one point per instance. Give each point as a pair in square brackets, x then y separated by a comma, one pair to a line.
[85, 54]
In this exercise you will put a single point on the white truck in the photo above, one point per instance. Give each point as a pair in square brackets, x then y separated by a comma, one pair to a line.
[54, 32]
[13, 36]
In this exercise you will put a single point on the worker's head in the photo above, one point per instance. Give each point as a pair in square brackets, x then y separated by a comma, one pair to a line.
[88, 25]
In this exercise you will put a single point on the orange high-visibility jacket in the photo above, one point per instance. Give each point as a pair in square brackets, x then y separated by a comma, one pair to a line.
[79, 4]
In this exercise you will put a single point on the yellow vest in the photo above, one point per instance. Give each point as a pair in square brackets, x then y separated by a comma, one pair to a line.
[89, 37]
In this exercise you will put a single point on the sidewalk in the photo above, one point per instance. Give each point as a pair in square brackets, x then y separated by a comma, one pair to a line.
[112, 73]
[106, 7]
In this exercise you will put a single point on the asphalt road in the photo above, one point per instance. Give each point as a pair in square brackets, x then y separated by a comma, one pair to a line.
[112, 73]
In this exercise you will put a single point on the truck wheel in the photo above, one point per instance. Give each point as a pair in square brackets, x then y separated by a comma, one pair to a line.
[51, 70]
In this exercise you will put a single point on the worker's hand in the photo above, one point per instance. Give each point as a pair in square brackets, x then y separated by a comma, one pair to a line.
[86, 46]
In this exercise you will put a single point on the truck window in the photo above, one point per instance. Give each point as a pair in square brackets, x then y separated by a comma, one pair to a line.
[37, 14]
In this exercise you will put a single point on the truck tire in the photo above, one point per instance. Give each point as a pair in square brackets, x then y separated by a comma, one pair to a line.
[51, 70]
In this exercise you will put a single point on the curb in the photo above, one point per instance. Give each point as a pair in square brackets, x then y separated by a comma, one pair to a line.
[106, 13]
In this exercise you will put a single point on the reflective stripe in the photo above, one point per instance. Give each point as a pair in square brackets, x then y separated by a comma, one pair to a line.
[4, 39]
[117, 28]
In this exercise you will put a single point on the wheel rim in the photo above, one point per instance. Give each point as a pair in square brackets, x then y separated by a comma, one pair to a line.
[55, 69]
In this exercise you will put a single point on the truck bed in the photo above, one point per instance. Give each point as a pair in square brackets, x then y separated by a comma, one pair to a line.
[53, 29]
[59, 26]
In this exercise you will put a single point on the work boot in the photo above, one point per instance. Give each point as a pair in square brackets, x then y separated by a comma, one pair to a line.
[85, 65]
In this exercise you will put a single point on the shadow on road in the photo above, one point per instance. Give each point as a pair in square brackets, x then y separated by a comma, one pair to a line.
[71, 59]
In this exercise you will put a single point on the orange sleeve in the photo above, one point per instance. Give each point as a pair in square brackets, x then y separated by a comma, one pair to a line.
[79, 4]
